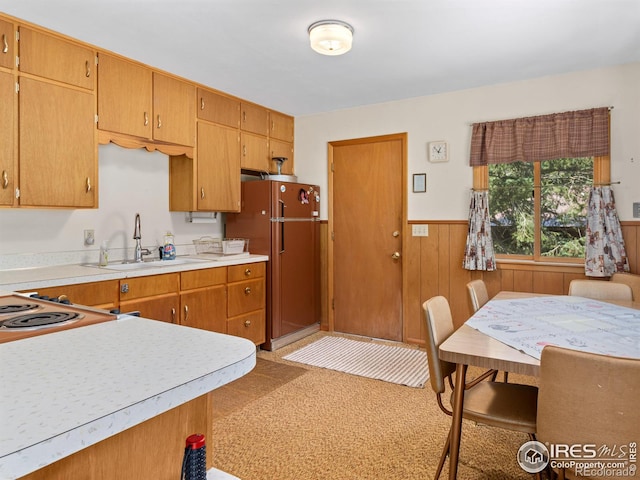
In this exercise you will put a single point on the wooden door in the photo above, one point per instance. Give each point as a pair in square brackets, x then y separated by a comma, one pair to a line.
[58, 149]
[218, 168]
[7, 138]
[7, 36]
[174, 111]
[205, 308]
[255, 152]
[366, 215]
[125, 97]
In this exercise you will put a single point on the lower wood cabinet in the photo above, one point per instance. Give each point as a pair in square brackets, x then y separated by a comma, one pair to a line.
[202, 295]
[154, 296]
[95, 294]
[246, 302]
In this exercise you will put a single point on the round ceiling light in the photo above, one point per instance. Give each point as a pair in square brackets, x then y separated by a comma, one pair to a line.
[331, 37]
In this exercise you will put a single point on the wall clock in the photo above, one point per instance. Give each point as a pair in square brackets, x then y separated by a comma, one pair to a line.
[438, 152]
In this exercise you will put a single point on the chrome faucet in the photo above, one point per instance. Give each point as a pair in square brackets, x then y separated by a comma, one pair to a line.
[139, 251]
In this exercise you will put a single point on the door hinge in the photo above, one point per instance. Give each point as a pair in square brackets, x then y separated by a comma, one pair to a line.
[17, 87]
[333, 304]
[333, 235]
[17, 193]
[96, 118]
[17, 61]
[333, 167]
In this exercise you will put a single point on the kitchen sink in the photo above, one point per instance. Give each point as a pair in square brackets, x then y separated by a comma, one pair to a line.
[125, 266]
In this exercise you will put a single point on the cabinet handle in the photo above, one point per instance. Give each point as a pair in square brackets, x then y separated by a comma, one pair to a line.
[201, 103]
[88, 184]
[5, 179]
[159, 122]
[247, 290]
[202, 192]
[273, 126]
[244, 116]
[247, 323]
[186, 312]
[173, 315]
[146, 119]
[5, 44]
[247, 272]
[87, 67]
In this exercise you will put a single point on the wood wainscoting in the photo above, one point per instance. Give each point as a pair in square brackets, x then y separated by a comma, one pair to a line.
[433, 266]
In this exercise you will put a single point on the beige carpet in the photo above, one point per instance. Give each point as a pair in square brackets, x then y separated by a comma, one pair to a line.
[325, 424]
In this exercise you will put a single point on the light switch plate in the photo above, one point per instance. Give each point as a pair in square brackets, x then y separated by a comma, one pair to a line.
[420, 230]
[636, 209]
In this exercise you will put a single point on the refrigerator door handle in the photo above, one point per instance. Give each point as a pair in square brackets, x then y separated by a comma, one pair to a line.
[281, 226]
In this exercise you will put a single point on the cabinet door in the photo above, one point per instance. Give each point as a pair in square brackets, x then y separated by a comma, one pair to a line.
[125, 92]
[204, 309]
[51, 57]
[7, 138]
[255, 119]
[278, 148]
[218, 168]
[7, 44]
[255, 152]
[58, 149]
[174, 116]
[281, 127]
[218, 108]
[161, 307]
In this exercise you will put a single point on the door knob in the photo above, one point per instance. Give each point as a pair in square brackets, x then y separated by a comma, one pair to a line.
[396, 255]
[396, 233]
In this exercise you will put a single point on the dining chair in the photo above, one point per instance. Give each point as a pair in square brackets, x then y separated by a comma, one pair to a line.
[506, 405]
[628, 279]
[587, 398]
[600, 290]
[477, 293]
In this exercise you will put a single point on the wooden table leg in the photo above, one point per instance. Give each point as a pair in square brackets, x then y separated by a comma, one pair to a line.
[456, 421]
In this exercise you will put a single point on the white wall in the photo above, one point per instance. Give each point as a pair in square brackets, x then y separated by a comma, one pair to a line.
[448, 117]
[130, 182]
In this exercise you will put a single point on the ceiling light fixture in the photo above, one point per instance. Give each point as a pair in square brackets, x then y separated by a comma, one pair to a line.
[331, 37]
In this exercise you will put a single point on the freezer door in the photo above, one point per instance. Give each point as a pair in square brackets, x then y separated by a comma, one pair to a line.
[295, 200]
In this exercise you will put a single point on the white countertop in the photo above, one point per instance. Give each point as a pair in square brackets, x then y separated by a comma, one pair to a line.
[65, 391]
[21, 279]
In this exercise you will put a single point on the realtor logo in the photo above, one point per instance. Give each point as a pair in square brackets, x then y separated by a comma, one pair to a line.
[533, 457]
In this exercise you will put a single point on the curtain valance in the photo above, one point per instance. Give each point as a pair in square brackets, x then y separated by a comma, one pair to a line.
[583, 133]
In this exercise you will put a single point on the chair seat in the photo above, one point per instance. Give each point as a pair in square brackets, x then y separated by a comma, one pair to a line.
[506, 405]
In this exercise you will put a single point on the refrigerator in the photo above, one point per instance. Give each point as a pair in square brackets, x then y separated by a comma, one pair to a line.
[281, 220]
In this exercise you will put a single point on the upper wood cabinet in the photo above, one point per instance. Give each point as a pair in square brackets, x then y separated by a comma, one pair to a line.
[7, 44]
[58, 150]
[7, 138]
[174, 116]
[56, 59]
[255, 119]
[218, 108]
[281, 127]
[255, 152]
[278, 148]
[125, 96]
[135, 100]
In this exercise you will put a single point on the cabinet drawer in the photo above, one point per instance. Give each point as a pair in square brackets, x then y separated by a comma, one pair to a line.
[246, 296]
[251, 326]
[203, 278]
[239, 273]
[103, 294]
[131, 288]
[56, 59]
[218, 108]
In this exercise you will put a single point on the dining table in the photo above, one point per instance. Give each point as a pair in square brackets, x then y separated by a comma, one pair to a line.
[517, 318]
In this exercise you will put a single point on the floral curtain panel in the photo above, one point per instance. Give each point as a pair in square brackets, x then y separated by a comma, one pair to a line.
[605, 253]
[479, 253]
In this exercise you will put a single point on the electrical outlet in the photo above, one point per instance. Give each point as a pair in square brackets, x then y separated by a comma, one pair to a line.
[89, 237]
[420, 230]
[636, 209]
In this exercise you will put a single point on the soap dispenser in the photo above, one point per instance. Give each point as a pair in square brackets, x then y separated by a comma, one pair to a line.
[169, 249]
[103, 261]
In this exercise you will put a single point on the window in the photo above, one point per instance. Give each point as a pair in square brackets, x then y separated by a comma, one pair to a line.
[538, 209]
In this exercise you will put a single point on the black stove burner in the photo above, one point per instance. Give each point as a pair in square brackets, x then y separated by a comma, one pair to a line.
[17, 308]
[40, 320]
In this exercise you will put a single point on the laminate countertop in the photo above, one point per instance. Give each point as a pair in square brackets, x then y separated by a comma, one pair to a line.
[32, 278]
[65, 391]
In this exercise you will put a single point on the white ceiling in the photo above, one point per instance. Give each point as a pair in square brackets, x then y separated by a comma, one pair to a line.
[259, 49]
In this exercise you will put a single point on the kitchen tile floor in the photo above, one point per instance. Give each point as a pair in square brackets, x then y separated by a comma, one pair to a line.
[264, 378]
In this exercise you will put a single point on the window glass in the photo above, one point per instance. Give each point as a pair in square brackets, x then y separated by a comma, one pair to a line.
[539, 209]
